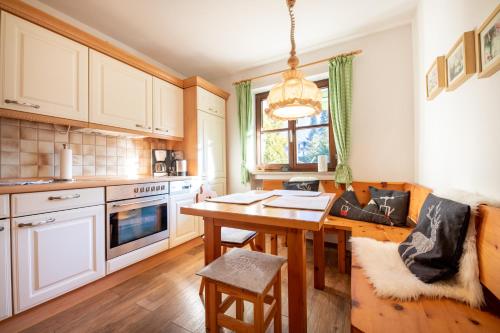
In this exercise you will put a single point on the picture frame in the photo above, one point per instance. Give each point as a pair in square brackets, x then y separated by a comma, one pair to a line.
[488, 45]
[461, 61]
[435, 78]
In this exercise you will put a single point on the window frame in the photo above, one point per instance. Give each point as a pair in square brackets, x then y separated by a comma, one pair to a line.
[292, 132]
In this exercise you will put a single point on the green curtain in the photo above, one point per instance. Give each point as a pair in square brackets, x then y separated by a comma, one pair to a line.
[244, 98]
[340, 96]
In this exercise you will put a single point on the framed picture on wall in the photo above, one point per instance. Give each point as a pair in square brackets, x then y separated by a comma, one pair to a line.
[488, 45]
[461, 61]
[435, 79]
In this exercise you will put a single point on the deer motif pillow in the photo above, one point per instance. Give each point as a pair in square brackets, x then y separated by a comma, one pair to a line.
[391, 203]
[433, 250]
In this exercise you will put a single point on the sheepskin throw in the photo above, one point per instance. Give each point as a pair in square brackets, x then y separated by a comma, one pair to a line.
[390, 277]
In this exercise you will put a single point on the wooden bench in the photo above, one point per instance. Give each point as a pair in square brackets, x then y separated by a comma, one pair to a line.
[373, 314]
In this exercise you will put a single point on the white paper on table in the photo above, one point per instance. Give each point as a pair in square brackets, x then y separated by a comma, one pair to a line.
[296, 193]
[307, 203]
[242, 198]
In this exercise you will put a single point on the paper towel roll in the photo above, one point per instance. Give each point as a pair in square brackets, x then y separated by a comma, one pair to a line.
[322, 163]
[66, 165]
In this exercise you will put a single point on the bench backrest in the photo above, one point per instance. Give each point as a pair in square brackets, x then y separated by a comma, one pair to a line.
[417, 196]
[488, 248]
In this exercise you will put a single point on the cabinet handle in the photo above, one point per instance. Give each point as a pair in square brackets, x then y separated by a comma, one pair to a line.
[2, 229]
[34, 224]
[161, 129]
[65, 197]
[31, 105]
[141, 126]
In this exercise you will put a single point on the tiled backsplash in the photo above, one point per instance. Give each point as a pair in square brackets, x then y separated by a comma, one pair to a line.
[31, 149]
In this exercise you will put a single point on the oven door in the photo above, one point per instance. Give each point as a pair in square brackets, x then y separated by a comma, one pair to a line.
[136, 223]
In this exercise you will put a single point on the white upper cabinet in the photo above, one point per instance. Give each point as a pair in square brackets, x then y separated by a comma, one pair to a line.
[211, 103]
[167, 109]
[41, 71]
[211, 146]
[120, 95]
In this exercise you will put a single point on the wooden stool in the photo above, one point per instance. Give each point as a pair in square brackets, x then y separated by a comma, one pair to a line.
[243, 276]
[233, 238]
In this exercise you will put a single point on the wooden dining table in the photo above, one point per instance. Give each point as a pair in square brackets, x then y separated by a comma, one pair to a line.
[294, 223]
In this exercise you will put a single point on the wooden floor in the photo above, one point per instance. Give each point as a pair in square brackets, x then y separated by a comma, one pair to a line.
[165, 299]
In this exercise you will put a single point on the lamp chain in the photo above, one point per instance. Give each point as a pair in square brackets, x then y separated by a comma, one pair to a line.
[293, 61]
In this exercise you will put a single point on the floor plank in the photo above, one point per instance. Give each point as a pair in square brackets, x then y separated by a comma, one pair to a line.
[165, 299]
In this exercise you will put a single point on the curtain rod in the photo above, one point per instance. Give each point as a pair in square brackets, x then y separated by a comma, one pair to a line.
[302, 66]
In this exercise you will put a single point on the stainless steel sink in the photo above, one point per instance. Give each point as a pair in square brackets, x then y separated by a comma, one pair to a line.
[14, 182]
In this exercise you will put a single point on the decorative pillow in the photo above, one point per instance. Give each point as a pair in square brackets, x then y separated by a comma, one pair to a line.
[311, 185]
[391, 203]
[433, 250]
[348, 206]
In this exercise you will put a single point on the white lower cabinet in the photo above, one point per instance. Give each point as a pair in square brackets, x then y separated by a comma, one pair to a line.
[5, 273]
[182, 227]
[54, 253]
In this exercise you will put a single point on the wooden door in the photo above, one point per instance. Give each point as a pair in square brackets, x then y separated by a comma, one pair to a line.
[5, 272]
[182, 227]
[43, 72]
[120, 95]
[211, 146]
[54, 253]
[168, 109]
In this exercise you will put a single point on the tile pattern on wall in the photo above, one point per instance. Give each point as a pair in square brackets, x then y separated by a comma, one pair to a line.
[31, 149]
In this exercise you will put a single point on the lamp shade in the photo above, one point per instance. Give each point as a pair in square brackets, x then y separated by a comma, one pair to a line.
[294, 97]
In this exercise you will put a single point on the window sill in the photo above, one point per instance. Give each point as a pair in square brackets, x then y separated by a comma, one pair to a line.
[286, 175]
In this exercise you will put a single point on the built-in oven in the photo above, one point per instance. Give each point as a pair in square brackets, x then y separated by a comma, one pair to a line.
[137, 216]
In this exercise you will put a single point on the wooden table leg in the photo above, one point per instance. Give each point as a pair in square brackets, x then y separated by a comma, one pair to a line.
[297, 284]
[341, 249]
[319, 259]
[260, 242]
[212, 251]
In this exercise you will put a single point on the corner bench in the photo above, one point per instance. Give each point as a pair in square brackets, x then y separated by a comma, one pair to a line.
[373, 314]
[370, 313]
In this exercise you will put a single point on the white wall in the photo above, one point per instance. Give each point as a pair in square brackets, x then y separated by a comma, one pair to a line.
[383, 118]
[457, 133]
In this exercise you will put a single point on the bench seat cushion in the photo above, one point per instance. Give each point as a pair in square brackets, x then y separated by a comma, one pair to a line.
[373, 314]
[236, 236]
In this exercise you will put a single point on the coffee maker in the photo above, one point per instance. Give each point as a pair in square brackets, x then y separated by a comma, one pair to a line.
[168, 163]
[159, 162]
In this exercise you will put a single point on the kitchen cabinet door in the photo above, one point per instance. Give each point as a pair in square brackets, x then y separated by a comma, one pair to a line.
[43, 72]
[168, 111]
[120, 95]
[182, 227]
[211, 146]
[211, 103]
[5, 273]
[54, 253]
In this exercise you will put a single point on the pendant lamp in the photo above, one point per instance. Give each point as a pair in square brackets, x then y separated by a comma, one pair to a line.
[294, 97]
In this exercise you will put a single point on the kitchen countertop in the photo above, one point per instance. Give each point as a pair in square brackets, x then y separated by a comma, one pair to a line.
[87, 182]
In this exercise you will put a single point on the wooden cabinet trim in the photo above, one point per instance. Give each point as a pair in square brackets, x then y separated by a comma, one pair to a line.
[194, 81]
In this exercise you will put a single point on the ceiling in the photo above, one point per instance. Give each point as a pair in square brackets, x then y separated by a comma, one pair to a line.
[215, 38]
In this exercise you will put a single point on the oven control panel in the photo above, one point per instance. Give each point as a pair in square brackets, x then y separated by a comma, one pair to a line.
[122, 192]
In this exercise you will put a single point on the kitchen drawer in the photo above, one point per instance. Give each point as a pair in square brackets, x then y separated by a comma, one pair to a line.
[4, 206]
[211, 103]
[41, 202]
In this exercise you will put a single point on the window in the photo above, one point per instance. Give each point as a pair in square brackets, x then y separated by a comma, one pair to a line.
[294, 144]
